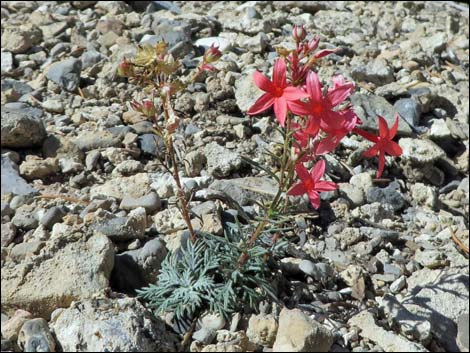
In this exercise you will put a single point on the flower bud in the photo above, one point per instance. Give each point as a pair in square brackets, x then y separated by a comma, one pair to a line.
[299, 33]
[212, 54]
[125, 69]
[148, 109]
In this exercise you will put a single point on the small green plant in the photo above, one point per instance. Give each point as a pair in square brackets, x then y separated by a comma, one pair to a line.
[207, 274]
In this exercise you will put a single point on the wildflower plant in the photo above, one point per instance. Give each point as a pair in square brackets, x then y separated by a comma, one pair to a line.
[221, 273]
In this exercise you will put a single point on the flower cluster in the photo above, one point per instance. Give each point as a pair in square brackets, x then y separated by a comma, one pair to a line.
[315, 118]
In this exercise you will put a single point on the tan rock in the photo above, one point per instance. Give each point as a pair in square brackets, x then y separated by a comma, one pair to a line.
[299, 333]
[262, 330]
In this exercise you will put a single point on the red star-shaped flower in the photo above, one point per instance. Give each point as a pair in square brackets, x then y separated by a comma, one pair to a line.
[278, 92]
[310, 183]
[383, 143]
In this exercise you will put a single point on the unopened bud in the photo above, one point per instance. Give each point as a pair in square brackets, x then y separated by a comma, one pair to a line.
[125, 69]
[212, 54]
[148, 109]
[299, 33]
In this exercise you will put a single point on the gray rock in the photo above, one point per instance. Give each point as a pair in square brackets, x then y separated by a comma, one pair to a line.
[431, 258]
[7, 62]
[52, 216]
[35, 336]
[11, 180]
[410, 325]
[299, 333]
[91, 140]
[387, 340]
[53, 106]
[66, 73]
[22, 126]
[246, 190]
[390, 194]
[25, 218]
[368, 107]
[164, 5]
[462, 336]
[398, 284]
[420, 151]
[150, 202]
[194, 162]
[409, 110]
[246, 92]
[12, 326]
[90, 58]
[20, 87]
[221, 162]
[376, 71]
[204, 335]
[122, 228]
[111, 325]
[135, 269]
[8, 233]
[430, 295]
[320, 271]
[120, 187]
[151, 144]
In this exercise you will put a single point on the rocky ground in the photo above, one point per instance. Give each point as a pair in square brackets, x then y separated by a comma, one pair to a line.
[88, 215]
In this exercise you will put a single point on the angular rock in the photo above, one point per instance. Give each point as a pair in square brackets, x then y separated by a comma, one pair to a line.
[299, 333]
[387, 340]
[35, 336]
[52, 216]
[16, 40]
[38, 168]
[113, 325]
[410, 325]
[409, 110]
[420, 151]
[135, 269]
[262, 329]
[246, 92]
[22, 126]
[462, 337]
[66, 73]
[246, 190]
[12, 326]
[91, 140]
[390, 194]
[376, 71]
[49, 280]
[134, 186]
[368, 107]
[124, 228]
[11, 180]
[221, 161]
[430, 292]
[8, 233]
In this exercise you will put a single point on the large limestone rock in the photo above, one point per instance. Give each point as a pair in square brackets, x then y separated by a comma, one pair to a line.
[110, 325]
[68, 268]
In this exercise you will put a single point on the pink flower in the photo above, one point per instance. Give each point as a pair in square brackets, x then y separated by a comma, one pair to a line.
[311, 184]
[278, 92]
[383, 143]
[320, 107]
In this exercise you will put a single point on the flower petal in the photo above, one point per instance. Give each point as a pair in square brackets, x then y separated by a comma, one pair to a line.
[381, 164]
[366, 135]
[298, 107]
[324, 52]
[371, 152]
[279, 73]
[280, 110]
[262, 103]
[314, 198]
[340, 93]
[293, 93]
[393, 149]
[327, 145]
[314, 87]
[318, 170]
[302, 172]
[383, 128]
[263, 83]
[325, 186]
[297, 190]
